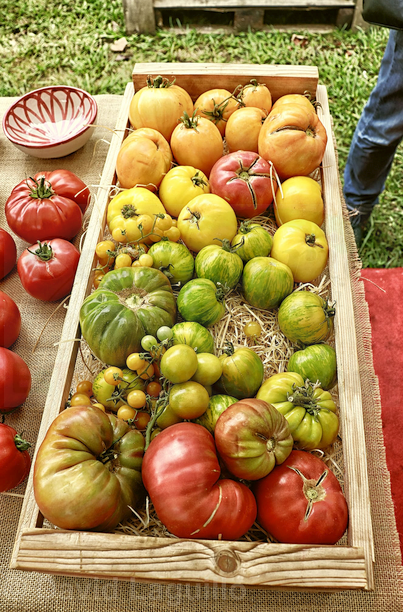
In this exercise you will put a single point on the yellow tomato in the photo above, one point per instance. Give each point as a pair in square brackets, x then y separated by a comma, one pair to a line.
[143, 159]
[159, 107]
[80, 399]
[123, 260]
[180, 185]
[257, 95]
[146, 260]
[302, 246]
[206, 220]
[300, 197]
[125, 209]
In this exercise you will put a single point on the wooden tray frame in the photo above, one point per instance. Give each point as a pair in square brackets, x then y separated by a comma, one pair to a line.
[169, 560]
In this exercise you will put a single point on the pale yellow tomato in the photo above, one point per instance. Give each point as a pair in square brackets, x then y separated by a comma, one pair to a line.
[206, 220]
[302, 246]
[300, 197]
[243, 129]
[180, 185]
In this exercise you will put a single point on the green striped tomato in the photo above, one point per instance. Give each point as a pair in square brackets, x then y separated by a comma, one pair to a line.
[252, 240]
[173, 259]
[200, 300]
[315, 363]
[217, 405]
[194, 335]
[266, 282]
[242, 372]
[310, 411]
[305, 318]
[129, 304]
[219, 264]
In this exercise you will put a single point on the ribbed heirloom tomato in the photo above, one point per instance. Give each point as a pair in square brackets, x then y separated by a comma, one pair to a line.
[180, 185]
[216, 105]
[47, 205]
[8, 253]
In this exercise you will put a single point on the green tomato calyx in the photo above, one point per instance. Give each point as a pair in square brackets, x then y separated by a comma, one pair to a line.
[20, 443]
[305, 396]
[44, 252]
[40, 190]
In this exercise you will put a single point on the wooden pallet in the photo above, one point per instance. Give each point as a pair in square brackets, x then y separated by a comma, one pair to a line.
[174, 560]
[140, 15]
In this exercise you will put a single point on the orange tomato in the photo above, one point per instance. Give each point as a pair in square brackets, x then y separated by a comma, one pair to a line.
[143, 159]
[243, 129]
[257, 95]
[159, 105]
[293, 139]
[300, 197]
[294, 99]
[197, 142]
[216, 105]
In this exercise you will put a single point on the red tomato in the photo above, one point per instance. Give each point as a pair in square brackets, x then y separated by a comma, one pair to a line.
[15, 461]
[47, 205]
[301, 502]
[47, 272]
[15, 380]
[10, 320]
[181, 473]
[8, 253]
[245, 181]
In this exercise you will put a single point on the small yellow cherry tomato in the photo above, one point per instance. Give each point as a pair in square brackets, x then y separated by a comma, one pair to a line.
[135, 362]
[136, 264]
[98, 276]
[119, 235]
[112, 375]
[174, 222]
[172, 234]
[146, 373]
[146, 260]
[126, 412]
[80, 399]
[146, 223]
[252, 329]
[123, 260]
[100, 406]
[84, 386]
[136, 398]
[164, 222]
[156, 235]
[102, 249]
[141, 420]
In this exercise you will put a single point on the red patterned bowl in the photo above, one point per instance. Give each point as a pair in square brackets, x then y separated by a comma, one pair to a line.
[51, 122]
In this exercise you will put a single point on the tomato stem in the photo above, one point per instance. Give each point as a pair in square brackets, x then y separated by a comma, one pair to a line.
[20, 443]
[42, 189]
[44, 252]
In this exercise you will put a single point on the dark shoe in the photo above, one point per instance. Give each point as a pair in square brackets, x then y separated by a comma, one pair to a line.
[358, 234]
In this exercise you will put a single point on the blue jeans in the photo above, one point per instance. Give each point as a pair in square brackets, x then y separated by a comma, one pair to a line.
[377, 136]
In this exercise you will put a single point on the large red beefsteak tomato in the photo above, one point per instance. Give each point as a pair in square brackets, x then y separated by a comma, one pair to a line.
[15, 380]
[14, 458]
[245, 180]
[47, 271]
[301, 502]
[181, 473]
[47, 205]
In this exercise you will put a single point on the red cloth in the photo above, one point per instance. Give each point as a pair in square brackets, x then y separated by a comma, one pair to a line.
[383, 292]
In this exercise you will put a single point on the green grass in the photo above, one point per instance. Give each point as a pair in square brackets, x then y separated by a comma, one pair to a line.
[49, 42]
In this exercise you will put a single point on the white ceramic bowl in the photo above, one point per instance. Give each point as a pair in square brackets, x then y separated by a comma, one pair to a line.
[51, 122]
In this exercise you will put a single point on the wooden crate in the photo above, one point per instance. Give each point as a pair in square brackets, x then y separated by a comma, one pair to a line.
[252, 564]
[140, 15]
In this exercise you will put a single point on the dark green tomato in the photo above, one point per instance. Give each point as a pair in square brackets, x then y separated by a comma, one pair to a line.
[305, 318]
[217, 405]
[200, 300]
[266, 282]
[242, 373]
[129, 304]
[173, 259]
[315, 363]
[252, 241]
[193, 334]
[220, 264]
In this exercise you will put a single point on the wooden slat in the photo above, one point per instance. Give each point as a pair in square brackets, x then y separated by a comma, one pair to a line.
[352, 425]
[170, 560]
[199, 77]
[239, 4]
[139, 16]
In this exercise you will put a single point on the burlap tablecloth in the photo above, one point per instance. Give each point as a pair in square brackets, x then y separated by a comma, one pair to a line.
[34, 592]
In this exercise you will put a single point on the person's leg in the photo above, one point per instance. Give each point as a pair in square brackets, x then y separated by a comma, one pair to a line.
[376, 137]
